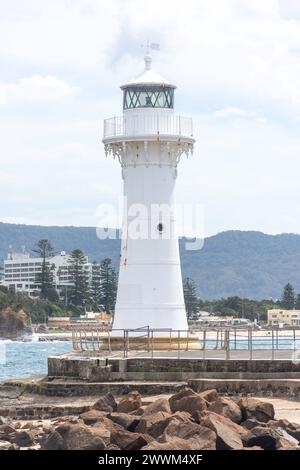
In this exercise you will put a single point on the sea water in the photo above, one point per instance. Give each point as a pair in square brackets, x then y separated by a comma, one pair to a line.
[19, 359]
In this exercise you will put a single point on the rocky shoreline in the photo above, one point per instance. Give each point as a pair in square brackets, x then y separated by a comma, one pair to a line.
[185, 420]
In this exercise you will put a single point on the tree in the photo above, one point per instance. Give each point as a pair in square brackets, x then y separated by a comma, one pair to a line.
[108, 286]
[95, 289]
[79, 277]
[190, 296]
[297, 302]
[45, 278]
[288, 297]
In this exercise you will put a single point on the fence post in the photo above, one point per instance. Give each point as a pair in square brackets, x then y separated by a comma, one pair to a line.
[152, 345]
[204, 343]
[235, 339]
[178, 343]
[227, 344]
[251, 354]
[272, 345]
[294, 334]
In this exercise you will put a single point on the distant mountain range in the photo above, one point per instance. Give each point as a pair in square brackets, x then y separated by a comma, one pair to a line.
[247, 264]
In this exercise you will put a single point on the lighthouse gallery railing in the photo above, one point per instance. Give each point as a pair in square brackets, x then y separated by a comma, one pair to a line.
[152, 124]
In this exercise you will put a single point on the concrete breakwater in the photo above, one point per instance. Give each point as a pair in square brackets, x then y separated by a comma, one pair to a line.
[77, 374]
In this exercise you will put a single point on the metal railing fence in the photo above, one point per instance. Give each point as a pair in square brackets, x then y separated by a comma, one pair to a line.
[205, 343]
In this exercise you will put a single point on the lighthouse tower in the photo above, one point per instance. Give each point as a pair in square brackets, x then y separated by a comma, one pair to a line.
[148, 140]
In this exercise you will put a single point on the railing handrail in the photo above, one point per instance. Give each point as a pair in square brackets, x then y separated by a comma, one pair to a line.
[152, 124]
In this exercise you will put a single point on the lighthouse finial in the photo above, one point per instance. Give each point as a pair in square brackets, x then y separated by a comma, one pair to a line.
[148, 57]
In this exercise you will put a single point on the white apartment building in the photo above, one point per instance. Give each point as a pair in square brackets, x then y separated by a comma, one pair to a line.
[278, 316]
[20, 270]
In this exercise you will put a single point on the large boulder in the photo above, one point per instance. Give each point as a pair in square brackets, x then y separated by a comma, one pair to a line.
[209, 395]
[5, 445]
[127, 440]
[52, 442]
[191, 404]
[227, 408]
[92, 416]
[158, 428]
[203, 437]
[147, 421]
[251, 423]
[7, 432]
[75, 437]
[162, 404]
[293, 429]
[106, 403]
[263, 437]
[24, 438]
[257, 409]
[125, 420]
[130, 402]
[185, 392]
[228, 433]
[173, 443]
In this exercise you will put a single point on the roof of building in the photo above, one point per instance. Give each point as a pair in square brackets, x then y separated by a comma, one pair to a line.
[148, 77]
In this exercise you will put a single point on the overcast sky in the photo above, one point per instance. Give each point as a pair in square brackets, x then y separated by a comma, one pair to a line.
[237, 67]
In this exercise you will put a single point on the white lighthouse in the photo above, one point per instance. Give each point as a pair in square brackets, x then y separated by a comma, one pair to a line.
[149, 139]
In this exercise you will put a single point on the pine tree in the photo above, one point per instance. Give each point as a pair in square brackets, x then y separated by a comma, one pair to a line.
[108, 286]
[288, 297]
[190, 296]
[79, 277]
[95, 289]
[297, 302]
[45, 278]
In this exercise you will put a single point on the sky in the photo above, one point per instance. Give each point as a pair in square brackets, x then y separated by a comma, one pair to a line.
[236, 64]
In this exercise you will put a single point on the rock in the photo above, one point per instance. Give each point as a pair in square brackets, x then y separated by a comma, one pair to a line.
[92, 416]
[262, 437]
[80, 437]
[253, 408]
[228, 433]
[158, 428]
[292, 428]
[125, 420]
[227, 408]
[7, 432]
[203, 437]
[3, 420]
[182, 394]
[106, 403]
[24, 438]
[147, 421]
[209, 395]
[127, 440]
[113, 447]
[191, 404]
[251, 423]
[47, 428]
[162, 404]
[5, 445]
[130, 402]
[53, 442]
[285, 444]
[173, 443]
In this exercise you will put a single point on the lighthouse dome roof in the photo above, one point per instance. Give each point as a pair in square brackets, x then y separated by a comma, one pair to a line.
[148, 78]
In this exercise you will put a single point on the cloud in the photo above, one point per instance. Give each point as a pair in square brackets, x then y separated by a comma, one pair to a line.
[232, 112]
[37, 88]
[237, 67]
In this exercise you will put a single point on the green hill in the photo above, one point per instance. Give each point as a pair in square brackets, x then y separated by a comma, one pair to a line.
[247, 264]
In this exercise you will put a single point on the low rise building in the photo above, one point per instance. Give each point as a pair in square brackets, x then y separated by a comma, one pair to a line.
[20, 272]
[278, 317]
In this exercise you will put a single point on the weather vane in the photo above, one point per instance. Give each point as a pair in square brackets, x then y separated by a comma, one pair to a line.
[154, 46]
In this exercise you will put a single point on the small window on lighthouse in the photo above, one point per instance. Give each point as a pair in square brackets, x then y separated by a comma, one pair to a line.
[160, 227]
